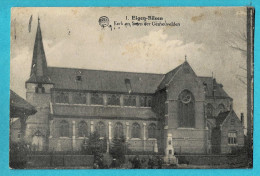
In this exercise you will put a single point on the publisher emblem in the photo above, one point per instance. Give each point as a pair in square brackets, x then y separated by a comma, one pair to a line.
[103, 21]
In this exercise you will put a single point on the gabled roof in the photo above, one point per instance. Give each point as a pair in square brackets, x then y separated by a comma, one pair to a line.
[115, 81]
[211, 84]
[212, 122]
[19, 106]
[39, 64]
[221, 117]
[168, 76]
[98, 80]
[16, 124]
[231, 114]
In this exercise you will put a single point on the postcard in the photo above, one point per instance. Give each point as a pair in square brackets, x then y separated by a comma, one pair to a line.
[131, 87]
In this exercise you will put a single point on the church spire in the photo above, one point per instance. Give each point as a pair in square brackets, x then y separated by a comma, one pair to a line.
[39, 64]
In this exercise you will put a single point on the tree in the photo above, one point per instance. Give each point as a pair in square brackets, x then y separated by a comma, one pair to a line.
[18, 155]
[119, 149]
[94, 145]
[246, 47]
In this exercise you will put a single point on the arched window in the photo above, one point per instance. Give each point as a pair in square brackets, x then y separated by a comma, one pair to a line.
[129, 100]
[186, 112]
[83, 129]
[152, 131]
[62, 97]
[64, 129]
[101, 129]
[96, 99]
[113, 100]
[79, 98]
[118, 130]
[209, 110]
[136, 131]
[145, 101]
[221, 108]
[39, 88]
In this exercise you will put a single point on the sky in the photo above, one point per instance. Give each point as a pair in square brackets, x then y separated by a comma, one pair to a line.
[73, 38]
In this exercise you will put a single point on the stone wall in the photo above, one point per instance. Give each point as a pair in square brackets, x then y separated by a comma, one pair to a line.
[66, 143]
[228, 126]
[60, 161]
[190, 139]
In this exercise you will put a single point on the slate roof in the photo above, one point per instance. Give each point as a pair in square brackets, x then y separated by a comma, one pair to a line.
[18, 106]
[114, 81]
[39, 64]
[212, 121]
[168, 76]
[16, 124]
[210, 82]
[98, 80]
[221, 117]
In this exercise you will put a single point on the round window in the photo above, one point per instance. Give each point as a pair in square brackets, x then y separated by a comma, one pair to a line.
[185, 96]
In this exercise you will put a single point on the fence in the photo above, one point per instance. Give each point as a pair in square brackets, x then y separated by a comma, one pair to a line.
[86, 161]
[60, 160]
[229, 161]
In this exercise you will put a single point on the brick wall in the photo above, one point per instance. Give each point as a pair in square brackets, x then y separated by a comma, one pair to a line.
[187, 140]
[228, 126]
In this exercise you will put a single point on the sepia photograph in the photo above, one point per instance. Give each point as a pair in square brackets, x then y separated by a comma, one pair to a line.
[131, 87]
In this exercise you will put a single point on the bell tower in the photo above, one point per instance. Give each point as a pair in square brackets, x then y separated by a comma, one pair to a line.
[38, 93]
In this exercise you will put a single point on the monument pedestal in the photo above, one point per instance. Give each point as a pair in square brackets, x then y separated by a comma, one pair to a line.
[169, 157]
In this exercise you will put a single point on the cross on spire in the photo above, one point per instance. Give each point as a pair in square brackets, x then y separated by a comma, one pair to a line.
[185, 57]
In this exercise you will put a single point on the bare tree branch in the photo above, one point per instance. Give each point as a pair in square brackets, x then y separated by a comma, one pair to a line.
[242, 68]
[242, 36]
[242, 76]
[242, 81]
[238, 48]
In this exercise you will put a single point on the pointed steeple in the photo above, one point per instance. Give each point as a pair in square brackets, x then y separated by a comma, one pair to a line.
[39, 72]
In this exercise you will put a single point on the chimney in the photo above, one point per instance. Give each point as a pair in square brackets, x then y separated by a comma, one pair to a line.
[242, 118]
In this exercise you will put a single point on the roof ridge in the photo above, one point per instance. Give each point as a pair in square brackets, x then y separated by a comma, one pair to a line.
[204, 76]
[86, 69]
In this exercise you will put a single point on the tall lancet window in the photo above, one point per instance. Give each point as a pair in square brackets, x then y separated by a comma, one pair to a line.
[209, 110]
[221, 108]
[64, 129]
[101, 129]
[118, 130]
[83, 129]
[186, 112]
[152, 131]
[136, 130]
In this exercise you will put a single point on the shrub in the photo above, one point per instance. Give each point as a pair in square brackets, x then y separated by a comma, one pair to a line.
[119, 149]
[18, 155]
[95, 145]
[238, 150]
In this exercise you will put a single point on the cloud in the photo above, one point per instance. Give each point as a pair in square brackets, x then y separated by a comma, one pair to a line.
[20, 70]
[146, 49]
[159, 50]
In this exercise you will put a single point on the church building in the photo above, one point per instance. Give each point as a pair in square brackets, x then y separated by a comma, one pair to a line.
[175, 112]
